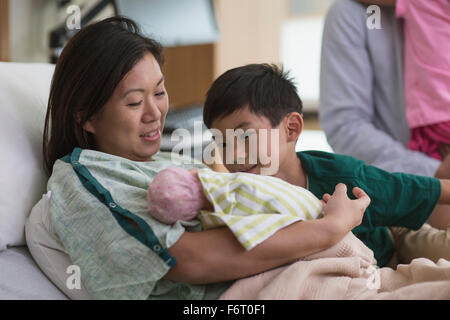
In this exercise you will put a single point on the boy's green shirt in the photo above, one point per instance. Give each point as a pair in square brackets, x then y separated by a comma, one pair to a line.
[397, 199]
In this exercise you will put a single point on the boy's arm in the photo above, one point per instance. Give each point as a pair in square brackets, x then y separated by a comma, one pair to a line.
[445, 192]
[440, 217]
[443, 171]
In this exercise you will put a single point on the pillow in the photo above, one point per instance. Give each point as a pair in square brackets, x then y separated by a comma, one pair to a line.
[24, 89]
[48, 251]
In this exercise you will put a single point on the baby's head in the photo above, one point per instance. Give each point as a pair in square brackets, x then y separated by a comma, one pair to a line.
[175, 194]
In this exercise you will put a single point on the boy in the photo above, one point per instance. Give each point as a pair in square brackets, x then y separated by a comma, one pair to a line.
[261, 96]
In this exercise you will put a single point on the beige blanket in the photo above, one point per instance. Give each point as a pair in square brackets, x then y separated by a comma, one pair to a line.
[346, 271]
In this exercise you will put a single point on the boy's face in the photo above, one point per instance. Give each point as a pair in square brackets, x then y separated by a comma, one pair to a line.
[249, 143]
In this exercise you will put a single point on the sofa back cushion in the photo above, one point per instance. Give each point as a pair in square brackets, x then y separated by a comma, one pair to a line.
[24, 90]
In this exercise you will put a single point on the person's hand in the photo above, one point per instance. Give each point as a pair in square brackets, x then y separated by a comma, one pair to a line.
[344, 213]
[443, 171]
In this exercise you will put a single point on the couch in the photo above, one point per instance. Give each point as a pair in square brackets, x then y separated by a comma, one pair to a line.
[33, 265]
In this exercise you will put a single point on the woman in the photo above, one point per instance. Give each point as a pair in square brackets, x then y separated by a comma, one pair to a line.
[102, 134]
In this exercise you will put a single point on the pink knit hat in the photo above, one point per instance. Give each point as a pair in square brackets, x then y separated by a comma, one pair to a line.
[174, 194]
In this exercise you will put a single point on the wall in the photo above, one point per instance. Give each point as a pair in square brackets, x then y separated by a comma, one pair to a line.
[301, 47]
[188, 73]
[4, 31]
[250, 32]
[30, 24]
[29, 21]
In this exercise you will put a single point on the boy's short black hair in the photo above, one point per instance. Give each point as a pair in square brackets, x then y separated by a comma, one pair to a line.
[265, 88]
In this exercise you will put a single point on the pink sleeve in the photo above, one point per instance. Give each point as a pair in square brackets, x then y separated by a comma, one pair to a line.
[400, 8]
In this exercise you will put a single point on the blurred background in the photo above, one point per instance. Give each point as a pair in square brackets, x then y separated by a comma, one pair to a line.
[202, 39]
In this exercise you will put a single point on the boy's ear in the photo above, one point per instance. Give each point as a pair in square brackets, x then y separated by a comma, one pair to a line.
[294, 126]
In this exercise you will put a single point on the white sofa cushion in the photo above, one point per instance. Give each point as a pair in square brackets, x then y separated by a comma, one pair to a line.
[48, 251]
[24, 89]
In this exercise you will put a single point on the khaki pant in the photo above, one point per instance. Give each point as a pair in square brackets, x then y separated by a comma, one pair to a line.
[427, 242]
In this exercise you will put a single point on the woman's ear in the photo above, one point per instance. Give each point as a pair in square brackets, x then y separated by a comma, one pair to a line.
[294, 126]
[88, 125]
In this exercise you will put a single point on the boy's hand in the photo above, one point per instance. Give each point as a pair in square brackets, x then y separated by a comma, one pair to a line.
[344, 213]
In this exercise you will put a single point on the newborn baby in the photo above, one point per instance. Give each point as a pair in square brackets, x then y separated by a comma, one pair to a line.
[176, 194]
[252, 206]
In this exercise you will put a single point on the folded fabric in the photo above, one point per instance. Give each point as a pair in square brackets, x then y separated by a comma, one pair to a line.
[346, 271]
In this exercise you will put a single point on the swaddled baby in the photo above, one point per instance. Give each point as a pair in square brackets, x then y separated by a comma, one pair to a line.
[176, 194]
[254, 207]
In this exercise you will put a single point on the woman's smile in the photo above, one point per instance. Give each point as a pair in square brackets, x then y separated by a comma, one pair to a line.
[151, 135]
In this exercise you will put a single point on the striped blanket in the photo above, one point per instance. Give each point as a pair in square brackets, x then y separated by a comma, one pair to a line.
[254, 207]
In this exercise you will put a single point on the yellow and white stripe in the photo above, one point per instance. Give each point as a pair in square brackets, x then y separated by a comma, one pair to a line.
[254, 207]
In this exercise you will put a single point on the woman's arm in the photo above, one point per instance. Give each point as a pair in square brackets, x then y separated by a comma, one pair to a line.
[215, 255]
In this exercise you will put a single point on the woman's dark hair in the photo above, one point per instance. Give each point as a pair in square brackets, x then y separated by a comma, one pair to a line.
[90, 67]
[266, 89]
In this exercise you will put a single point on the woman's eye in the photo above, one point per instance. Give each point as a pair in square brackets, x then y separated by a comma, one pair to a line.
[135, 104]
[160, 93]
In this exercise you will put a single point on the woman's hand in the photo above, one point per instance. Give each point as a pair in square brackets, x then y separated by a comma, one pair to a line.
[343, 213]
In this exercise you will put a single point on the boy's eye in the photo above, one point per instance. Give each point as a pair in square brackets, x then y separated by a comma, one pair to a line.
[135, 104]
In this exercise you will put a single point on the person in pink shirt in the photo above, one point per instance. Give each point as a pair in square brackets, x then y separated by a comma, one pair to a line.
[426, 72]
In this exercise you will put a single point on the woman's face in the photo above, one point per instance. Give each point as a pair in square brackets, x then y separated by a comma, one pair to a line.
[130, 123]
